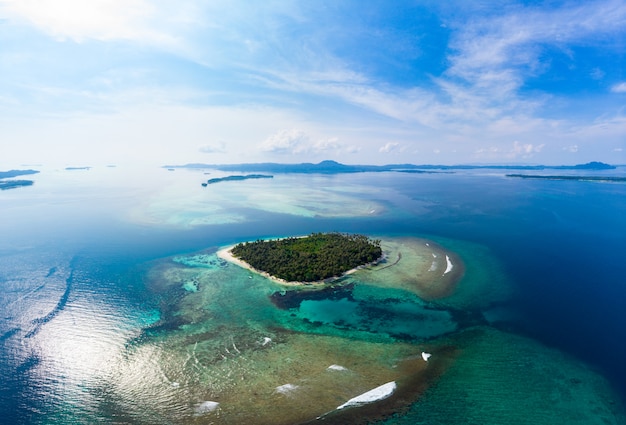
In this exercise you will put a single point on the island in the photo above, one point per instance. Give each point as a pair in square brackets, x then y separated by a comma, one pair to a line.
[326, 259]
[603, 179]
[314, 258]
[236, 178]
[15, 173]
[13, 184]
[333, 167]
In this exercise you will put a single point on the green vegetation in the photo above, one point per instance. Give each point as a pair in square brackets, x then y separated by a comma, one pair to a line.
[312, 258]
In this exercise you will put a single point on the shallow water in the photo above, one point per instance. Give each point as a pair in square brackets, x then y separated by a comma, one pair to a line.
[116, 309]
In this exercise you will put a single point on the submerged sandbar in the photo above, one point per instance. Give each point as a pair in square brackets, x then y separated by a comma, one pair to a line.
[417, 265]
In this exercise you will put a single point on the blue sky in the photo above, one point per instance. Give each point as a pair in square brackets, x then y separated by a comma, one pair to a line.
[160, 82]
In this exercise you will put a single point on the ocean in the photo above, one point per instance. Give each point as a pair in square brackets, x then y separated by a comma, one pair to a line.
[116, 308]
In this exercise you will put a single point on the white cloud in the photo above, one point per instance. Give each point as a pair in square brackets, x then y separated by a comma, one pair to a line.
[516, 151]
[219, 147]
[619, 88]
[492, 56]
[326, 145]
[597, 74]
[106, 20]
[296, 142]
[286, 142]
[388, 147]
[511, 41]
[526, 149]
[606, 127]
[490, 150]
[572, 148]
[352, 149]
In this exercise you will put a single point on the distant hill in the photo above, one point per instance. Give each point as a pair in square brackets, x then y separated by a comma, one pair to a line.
[594, 165]
[333, 167]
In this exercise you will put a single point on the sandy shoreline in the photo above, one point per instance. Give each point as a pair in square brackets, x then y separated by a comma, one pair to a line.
[227, 255]
[432, 271]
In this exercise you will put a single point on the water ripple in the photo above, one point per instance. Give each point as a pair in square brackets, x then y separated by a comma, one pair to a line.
[60, 305]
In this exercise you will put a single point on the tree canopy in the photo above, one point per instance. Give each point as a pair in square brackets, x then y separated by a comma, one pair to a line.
[311, 258]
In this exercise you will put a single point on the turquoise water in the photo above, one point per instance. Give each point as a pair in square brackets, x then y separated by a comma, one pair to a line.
[117, 310]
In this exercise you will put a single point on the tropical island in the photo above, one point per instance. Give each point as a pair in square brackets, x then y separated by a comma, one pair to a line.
[312, 258]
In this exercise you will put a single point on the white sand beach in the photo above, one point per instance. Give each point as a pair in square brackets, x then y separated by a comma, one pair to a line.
[226, 254]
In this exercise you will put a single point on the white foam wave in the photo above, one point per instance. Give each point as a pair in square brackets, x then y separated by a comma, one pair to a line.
[378, 393]
[286, 389]
[336, 367]
[450, 266]
[206, 407]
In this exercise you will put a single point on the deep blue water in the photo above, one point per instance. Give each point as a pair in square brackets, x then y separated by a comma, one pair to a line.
[72, 258]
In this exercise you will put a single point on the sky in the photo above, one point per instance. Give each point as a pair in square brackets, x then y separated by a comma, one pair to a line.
[99, 82]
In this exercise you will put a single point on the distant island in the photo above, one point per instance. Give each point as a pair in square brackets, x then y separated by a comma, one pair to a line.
[14, 184]
[607, 179]
[236, 178]
[312, 258]
[333, 167]
[15, 173]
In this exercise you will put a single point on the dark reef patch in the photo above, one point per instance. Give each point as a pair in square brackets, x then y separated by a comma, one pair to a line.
[293, 298]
